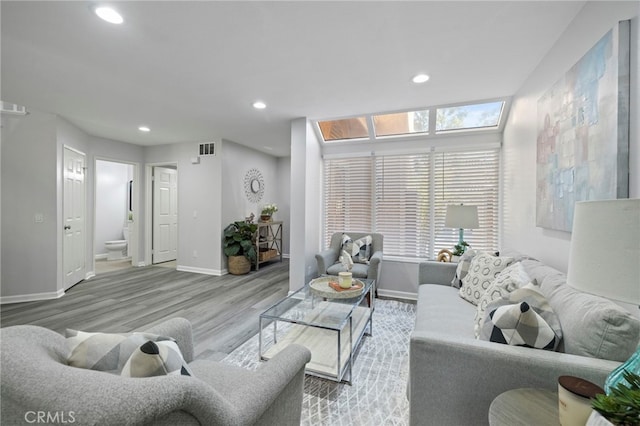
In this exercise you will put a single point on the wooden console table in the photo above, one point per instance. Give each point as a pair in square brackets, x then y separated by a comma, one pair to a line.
[268, 242]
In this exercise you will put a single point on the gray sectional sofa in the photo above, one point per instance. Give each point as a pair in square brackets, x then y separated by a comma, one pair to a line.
[454, 377]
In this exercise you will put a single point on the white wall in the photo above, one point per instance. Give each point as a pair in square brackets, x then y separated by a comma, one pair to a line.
[112, 202]
[519, 229]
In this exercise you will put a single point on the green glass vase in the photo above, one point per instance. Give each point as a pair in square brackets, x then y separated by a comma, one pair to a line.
[632, 365]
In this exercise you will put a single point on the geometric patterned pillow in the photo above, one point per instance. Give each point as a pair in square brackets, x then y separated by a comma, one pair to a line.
[511, 278]
[156, 359]
[483, 270]
[522, 318]
[463, 267]
[359, 250]
[105, 351]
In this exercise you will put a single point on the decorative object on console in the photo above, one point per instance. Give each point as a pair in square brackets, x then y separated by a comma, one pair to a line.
[267, 211]
[461, 217]
[597, 225]
[444, 255]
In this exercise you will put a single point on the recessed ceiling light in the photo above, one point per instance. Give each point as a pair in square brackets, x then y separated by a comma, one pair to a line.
[108, 14]
[259, 105]
[420, 78]
[144, 129]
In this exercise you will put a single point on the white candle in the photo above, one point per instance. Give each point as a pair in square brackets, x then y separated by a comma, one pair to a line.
[344, 279]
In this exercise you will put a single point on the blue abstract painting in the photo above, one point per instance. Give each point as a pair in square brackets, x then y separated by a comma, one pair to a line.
[582, 133]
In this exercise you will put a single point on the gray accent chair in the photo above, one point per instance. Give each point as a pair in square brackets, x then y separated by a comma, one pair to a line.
[328, 263]
[36, 378]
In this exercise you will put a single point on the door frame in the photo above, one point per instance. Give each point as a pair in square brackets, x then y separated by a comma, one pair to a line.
[148, 211]
[135, 205]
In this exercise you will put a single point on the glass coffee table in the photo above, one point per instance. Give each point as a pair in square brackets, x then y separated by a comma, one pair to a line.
[330, 324]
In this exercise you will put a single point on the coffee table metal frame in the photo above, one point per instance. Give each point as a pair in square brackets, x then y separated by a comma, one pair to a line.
[331, 328]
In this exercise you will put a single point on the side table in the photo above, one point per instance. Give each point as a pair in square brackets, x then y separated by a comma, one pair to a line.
[525, 407]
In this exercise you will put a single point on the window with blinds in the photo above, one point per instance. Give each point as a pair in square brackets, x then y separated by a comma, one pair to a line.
[405, 197]
[348, 196]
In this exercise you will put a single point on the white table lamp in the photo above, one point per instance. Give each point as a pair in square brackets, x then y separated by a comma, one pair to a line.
[605, 249]
[605, 260]
[461, 217]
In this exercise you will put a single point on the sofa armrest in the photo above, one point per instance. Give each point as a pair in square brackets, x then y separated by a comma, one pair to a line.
[179, 329]
[271, 394]
[431, 272]
[453, 380]
[325, 259]
[375, 261]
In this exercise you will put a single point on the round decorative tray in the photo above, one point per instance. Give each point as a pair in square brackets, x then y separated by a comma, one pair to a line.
[320, 287]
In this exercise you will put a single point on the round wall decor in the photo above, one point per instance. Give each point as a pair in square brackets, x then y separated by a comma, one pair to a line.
[254, 185]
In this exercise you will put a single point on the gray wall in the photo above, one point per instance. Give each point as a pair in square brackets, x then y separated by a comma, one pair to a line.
[237, 161]
[199, 198]
[32, 154]
[29, 186]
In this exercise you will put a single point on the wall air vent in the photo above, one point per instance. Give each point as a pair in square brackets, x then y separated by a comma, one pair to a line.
[208, 148]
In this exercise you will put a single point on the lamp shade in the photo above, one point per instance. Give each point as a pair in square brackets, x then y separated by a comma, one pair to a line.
[605, 249]
[461, 217]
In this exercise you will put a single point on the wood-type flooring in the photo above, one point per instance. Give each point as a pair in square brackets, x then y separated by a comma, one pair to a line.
[223, 310]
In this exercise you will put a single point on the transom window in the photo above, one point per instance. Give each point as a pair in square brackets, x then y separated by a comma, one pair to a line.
[472, 117]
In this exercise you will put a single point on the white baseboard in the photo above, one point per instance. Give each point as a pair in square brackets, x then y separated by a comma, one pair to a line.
[397, 294]
[205, 271]
[32, 297]
[141, 264]
[101, 256]
[90, 275]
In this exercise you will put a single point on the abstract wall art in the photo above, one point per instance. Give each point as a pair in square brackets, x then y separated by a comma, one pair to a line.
[583, 132]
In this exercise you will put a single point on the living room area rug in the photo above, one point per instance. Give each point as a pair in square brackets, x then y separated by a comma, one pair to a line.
[377, 395]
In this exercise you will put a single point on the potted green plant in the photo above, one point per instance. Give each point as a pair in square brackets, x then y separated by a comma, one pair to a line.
[621, 407]
[267, 211]
[239, 248]
[459, 249]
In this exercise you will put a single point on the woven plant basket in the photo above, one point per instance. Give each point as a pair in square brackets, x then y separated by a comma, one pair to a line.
[239, 265]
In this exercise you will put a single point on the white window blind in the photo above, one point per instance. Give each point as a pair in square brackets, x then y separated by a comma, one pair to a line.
[402, 205]
[469, 178]
[348, 196]
[404, 197]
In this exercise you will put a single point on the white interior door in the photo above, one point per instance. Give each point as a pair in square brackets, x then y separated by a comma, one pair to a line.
[165, 215]
[74, 217]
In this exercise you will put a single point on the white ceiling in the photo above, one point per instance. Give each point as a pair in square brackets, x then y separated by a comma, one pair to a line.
[191, 70]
